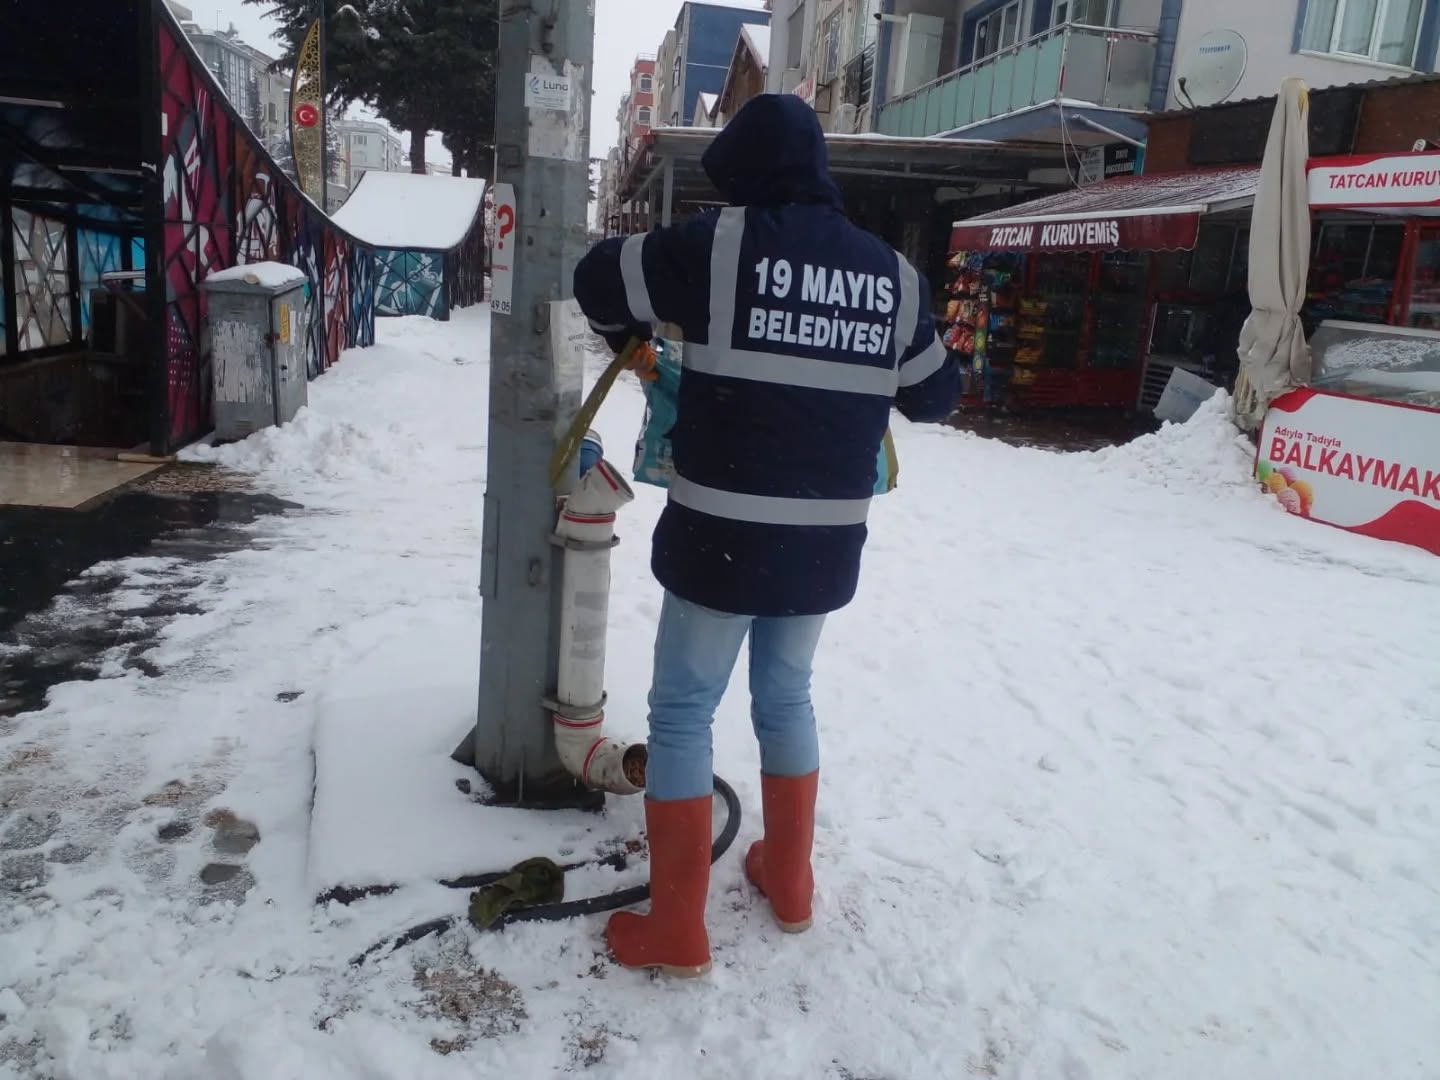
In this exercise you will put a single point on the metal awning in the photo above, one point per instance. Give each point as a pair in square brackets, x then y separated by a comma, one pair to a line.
[1143, 213]
[671, 160]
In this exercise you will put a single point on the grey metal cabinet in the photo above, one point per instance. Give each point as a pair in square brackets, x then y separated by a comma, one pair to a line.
[257, 346]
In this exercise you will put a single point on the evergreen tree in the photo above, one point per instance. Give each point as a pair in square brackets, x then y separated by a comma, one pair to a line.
[422, 65]
[467, 119]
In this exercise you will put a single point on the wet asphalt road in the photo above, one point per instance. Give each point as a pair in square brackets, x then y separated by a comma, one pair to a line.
[45, 556]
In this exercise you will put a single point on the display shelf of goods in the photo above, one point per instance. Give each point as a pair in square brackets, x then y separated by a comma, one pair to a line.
[1122, 274]
[1064, 324]
[1117, 331]
[1066, 278]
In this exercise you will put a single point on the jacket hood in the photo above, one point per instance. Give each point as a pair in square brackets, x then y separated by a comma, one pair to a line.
[771, 153]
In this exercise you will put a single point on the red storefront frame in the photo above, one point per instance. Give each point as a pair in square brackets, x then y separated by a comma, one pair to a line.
[1402, 186]
[1143, 214]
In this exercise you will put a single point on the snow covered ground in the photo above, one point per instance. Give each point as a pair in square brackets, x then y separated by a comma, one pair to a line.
[1128, 773]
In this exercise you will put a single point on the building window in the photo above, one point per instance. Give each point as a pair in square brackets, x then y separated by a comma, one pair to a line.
[830, 42]
[860, 78]
[647, 84]
[642, 117]
[795, 36]
[998, 30]
[271, 113]
[1383, 30]
[1083, 12]
[361, 140]
[867, 29]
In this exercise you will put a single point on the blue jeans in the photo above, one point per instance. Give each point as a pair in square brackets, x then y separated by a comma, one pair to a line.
[695, 652]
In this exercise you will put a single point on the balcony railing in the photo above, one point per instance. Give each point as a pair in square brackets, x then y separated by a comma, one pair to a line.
[1100, 66]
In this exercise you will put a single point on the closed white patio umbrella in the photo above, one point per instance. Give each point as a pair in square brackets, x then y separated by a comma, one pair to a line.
[1274, 356]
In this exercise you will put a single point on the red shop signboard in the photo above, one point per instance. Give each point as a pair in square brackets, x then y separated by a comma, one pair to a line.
[1176, 231]
[1363, 465]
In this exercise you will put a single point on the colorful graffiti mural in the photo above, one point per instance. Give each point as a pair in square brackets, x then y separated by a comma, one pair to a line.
[227, 203]
[465, 270]
[410, 283]
[43, 316]
[100, 253]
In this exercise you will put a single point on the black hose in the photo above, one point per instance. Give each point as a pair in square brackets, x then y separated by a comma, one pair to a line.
[566, 909]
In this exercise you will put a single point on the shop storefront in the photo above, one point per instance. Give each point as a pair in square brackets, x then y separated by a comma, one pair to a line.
[1376, 254]
[1091, 297]
[1357, 447]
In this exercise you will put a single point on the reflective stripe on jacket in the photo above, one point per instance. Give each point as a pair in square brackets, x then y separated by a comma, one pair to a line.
[801, 331]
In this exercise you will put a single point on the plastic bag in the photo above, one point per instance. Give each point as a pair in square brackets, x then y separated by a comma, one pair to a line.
[654, 462]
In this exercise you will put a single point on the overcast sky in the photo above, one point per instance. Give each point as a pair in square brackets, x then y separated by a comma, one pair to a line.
[623, 28]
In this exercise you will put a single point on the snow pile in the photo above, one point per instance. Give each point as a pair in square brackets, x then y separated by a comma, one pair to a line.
[376, 418]
[271, 275]
[1207, 453]
[387, 723]
[313, 445]
[758, 38]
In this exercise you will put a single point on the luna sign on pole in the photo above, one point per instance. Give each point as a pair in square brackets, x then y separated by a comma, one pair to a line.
[307, 100]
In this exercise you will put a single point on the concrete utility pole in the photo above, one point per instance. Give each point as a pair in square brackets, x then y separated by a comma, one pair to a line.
[542, 149]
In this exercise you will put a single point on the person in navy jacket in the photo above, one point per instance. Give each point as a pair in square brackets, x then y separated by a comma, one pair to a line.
[800, 333]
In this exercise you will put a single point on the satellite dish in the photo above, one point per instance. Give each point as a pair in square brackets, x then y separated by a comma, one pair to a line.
[1211, 69]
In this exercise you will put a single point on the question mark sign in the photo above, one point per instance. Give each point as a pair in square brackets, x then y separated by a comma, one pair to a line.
[505, 218]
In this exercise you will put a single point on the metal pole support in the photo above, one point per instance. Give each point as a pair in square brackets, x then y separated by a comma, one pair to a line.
[542, 148]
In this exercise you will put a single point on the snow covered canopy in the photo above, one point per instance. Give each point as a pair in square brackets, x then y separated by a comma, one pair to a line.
[757, 39]
[428, 233]
[414, 211]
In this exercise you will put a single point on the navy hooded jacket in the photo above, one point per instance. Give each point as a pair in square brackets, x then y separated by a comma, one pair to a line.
[800, 332]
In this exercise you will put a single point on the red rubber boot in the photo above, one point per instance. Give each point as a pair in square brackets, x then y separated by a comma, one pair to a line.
[672, 937]
[779, 865]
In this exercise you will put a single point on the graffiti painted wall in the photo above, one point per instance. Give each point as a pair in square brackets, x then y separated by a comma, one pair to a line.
[465, 270]
[43, 315]
[410, 283]
[100, 253]
[225, 203]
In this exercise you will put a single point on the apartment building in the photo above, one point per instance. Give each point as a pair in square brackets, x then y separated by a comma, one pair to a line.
[1079, 73]
[365, 146]
[696, 54]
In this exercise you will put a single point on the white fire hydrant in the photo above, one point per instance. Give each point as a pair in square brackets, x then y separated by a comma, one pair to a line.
[586, 531]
